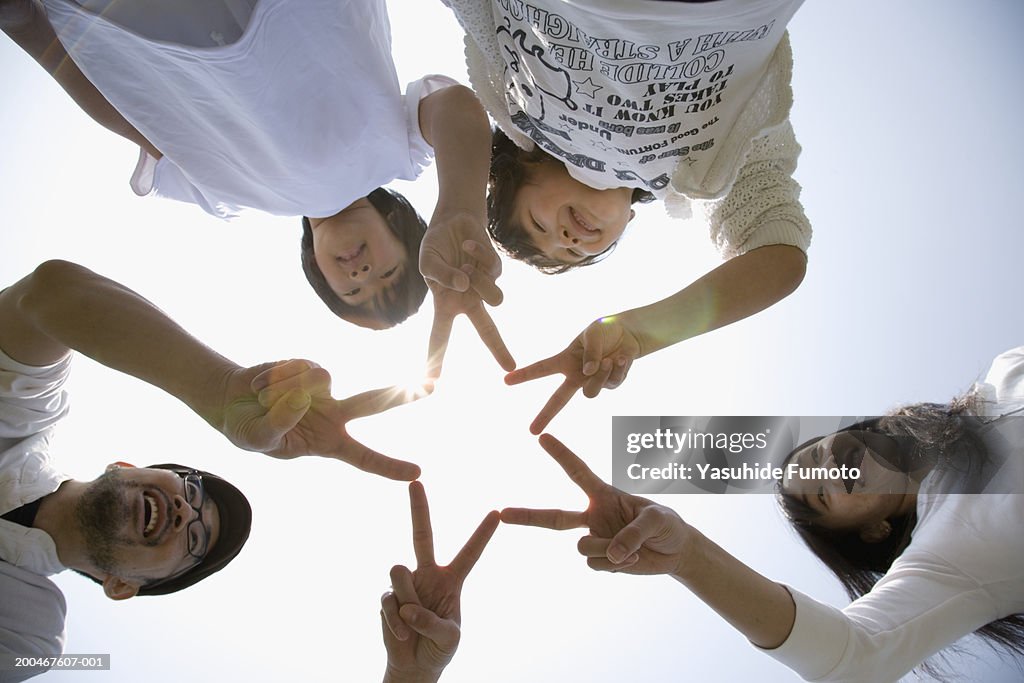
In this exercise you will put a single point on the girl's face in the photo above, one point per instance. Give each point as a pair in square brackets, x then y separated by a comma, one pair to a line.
[358, 255]
[567, 220]
[881, 491]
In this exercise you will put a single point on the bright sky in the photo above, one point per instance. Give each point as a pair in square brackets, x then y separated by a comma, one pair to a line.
[908, 115]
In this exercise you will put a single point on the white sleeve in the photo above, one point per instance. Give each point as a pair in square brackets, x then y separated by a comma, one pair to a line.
[163, 178]
[31, 398]
[420, 151]
[32, 617]
[763, 205]
[1003, 386]
[918, 608]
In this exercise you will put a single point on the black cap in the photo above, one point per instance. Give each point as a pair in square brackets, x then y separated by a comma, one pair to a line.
[235, 522]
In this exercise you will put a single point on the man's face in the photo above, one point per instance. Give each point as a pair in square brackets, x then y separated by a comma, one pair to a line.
[138, 524]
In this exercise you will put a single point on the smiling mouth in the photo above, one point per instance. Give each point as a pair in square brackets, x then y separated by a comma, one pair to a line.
[352, 254]
[851, 459]
[581, 223]
[152, 518]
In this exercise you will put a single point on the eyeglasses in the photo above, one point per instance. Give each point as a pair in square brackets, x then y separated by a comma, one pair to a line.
[195, 496]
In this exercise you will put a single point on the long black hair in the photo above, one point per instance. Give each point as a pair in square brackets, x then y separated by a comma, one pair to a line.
[927, 435]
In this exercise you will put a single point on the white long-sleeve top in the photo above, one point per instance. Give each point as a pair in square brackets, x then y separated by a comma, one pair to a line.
[963, 568]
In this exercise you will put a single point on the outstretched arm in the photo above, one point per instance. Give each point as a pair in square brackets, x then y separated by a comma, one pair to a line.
[633, 535]
[602, 355]
[26, 24]
[738, 288]
[754, 226]
[456, 256]
[282, 409]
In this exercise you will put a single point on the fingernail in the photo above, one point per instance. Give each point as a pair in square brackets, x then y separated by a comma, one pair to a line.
[259, 384]
[615, 553]
[589, 368]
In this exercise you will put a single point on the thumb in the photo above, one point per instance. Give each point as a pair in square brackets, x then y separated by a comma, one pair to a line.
[282, 417]
[593, 348]
[444, 632]
[632, 537]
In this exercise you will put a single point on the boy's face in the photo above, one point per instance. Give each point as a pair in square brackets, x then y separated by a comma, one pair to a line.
[567, 220]
[358, 254]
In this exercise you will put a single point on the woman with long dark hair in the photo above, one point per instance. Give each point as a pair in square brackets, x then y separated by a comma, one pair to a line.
[925, 534]
[923, 540]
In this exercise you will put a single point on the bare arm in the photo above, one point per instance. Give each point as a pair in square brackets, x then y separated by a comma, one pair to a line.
[63, 306]
[740, 287]
[27, 25]
[760, 609]
[601, 356]
[454, 123]
[456, 256]
[282, 409]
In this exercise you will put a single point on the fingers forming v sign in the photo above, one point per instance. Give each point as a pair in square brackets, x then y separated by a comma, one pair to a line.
[598, 359]
[286, 410]
[448, 304]
[627, 533]
[461, 268]
[421, 616]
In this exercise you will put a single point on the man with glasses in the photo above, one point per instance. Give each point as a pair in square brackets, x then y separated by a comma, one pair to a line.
[135, 531]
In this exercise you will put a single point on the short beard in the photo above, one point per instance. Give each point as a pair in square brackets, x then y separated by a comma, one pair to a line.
[101, 512]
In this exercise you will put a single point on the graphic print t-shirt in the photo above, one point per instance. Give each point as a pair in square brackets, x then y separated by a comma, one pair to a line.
[629, 96]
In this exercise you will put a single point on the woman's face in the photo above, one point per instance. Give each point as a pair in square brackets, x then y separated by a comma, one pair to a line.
[880, 491]
[358, 255]
[567, 220]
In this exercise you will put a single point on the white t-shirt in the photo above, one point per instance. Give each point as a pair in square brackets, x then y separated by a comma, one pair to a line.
[642, 94]
[32, 608]
[302, 115]
[687, 101]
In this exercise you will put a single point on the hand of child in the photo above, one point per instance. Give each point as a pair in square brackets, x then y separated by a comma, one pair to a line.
[454, 240]
[286, 410]
[461, 268]
[449, 303]
[421, 616]
[628, 533]
[599, 358]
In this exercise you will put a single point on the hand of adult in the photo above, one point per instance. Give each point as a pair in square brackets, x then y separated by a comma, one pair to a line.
[627, 533]
[599, 358]
[286, 410]
[421, 616]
